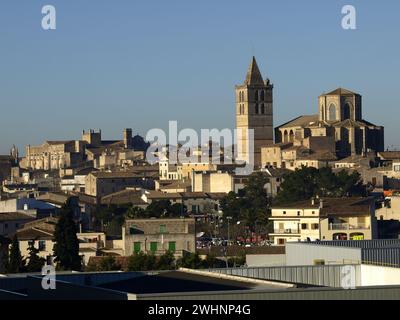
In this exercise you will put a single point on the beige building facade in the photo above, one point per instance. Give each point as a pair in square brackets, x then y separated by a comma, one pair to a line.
[325, 219]
[212, 181]
[158, 236]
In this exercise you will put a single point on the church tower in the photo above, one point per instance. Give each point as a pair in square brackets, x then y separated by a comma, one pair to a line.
[254, 110]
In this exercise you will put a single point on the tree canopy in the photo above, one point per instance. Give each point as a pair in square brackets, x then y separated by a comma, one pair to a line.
[158, 209]
[252, 206]
[308, 182]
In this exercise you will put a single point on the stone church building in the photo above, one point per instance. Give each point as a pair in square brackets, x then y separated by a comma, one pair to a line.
[340, 118]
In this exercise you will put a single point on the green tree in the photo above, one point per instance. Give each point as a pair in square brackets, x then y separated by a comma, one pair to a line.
[191, 261]
[308, 182]
[299, 185]
[158, 209]
[15, 263]
[136, 213]
[177, 210]
[108, 264]
[232, 205]
[66, 248]
[211, 262]
[142, 262]
[252, 206]
[35, 263]
[166, 261]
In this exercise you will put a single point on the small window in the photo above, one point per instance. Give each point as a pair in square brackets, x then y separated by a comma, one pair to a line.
[314, 226]
[42, 245]
[304, 226]
[163, 228]
[298, 213]
[284, 212]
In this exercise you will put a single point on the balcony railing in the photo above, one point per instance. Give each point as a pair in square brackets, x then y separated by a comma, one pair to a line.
[348, 226]
[286, 231]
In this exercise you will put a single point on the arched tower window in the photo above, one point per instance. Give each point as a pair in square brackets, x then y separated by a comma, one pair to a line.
[332, 112]
[262, 95]
[346, 111]
[263, 109]
[291, 136]
[285, 136]
[257, 109]
[256, 95]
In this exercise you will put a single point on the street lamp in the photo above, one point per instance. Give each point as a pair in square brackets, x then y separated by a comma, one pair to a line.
[229, 219]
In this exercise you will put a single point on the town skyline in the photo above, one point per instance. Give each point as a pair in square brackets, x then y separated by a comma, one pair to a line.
[95, 80]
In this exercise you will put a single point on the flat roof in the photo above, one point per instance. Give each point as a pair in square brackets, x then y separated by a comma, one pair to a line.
[180, 281]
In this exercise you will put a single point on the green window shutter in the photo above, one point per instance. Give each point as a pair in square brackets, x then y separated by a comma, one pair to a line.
[153, 246]
[163, 228]
[137, 247]
[172, 246]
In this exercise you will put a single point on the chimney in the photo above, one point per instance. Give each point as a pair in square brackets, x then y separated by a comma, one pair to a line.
[321, 203]
[312, 201]
[128, 138]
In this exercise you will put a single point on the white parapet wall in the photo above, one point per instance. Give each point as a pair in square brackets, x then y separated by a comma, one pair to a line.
[379, 276]
[265, 260]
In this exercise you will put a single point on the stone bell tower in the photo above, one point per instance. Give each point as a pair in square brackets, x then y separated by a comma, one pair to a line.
[254, 110]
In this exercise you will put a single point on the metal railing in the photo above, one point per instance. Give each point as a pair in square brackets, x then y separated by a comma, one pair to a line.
[287, 231]
[348, 226]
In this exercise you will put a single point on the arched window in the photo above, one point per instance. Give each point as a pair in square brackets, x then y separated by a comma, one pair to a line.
[346, 111]
[263, 109]
[262, 95]
[256, 95]
[332, 112]
[257, 109]
[291, 136]
[285, 136]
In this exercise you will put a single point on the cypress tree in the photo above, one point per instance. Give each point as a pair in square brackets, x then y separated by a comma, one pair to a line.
[15, 262]
[66, 248]
[35, 263]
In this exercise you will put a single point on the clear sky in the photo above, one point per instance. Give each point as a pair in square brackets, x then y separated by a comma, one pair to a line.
[127, 63]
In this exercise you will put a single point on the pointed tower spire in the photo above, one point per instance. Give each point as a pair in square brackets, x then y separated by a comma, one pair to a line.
[253, 74]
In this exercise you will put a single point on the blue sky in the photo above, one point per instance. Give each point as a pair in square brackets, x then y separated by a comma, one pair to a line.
[116, 64]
